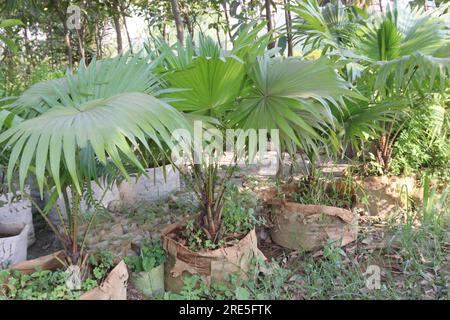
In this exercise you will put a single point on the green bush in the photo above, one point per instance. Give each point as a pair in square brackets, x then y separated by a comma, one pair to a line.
[415, 149]
[150, 257]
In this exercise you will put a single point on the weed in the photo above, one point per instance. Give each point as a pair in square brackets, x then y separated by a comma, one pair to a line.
[149, 257]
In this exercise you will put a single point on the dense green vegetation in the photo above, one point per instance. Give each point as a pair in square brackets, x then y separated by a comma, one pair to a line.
[336, 82]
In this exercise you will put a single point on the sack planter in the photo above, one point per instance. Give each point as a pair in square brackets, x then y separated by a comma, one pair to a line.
[214, 266]
[384, 194]
[152, 188]
[149, 283]
[13, 244]
[114, 287]
[16, 213]
[308, 227]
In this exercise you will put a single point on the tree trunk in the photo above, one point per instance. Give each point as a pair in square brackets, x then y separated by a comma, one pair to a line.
[269, 21]
[287, 13]
[51, 43]
[190, 27]
[227, 19]
[81, 45]
[116, 20]
[62, 17]
[27, 50]
[384, 152]
[68, 45]
[164, 32]
[122, 9]
[97, 51]
[178, 21]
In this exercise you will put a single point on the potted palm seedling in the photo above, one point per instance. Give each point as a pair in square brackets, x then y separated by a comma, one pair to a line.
[247, 88]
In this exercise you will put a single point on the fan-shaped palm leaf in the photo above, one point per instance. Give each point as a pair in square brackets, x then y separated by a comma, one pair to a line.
[101, 79]
[210, 84]
[292, 96]
[60, 138]
[329, 27]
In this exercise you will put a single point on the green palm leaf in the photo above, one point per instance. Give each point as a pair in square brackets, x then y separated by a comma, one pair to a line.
[101, 79]
[110, 128]
[210, 84]
[292, 96]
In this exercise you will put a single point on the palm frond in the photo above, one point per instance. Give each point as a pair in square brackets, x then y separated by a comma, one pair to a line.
[209, 85]
[63, 137]
[292, 96]
[101, 79]
[329, 27]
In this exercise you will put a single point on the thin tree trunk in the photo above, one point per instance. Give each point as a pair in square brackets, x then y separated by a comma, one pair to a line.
[96, 40]
[217, 32]
[122, 9]
[287, 13]
[227, 19]
[164, 33]
[81, 45]
[269, 21]
[190, 27]
[116, 20]
[27, 50]
[178, 21]
[99, 38]
[52, 47]
[128, 33]
[68, 47]
[62, 17]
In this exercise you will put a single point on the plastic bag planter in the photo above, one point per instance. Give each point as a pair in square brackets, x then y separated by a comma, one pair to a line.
[308, 227]
[16, 213]
[13, 244]
[113, 288]
[385, 194]
[214, 266]
[149, 283]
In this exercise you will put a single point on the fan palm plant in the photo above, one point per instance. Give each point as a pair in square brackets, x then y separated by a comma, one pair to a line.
[99, 118]
[400, 55]
[288, 95]
[406, 53]
[326, 28]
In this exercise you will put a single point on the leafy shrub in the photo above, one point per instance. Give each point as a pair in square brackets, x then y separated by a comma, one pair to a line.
[45, 71]
[150, 257]
[102, 262]
[238, 217]
[239, 211]
[416, 150]
[51, 285]
[270, 285]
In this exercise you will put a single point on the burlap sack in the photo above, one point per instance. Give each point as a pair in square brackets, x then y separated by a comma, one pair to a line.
[385, 194]
[113, 288]
[214, 266]
[308, 227]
